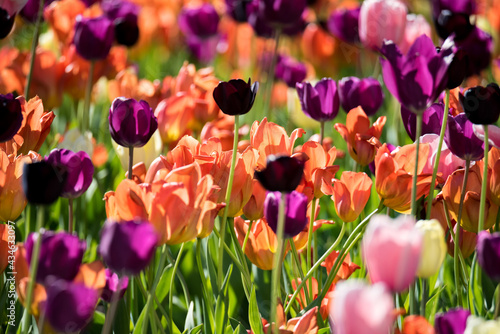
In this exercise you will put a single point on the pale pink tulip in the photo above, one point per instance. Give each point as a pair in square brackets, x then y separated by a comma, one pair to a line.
[448, 162]
[416, 25]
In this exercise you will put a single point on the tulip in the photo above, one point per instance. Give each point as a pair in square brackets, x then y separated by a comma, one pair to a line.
[476, 325]
[433, 247]
[60, 255]
[263, 27]
[404, 75]
[381, 20]
[254, 209]
[69, 307]
[75, 141]
[114, 284]
[282, 173]
[468, 7]
[290, 71]
[392, 251]
[482, 104]
[432, 118]
[448, 162]
[320, 102]
[12, 6]
[347, 268]
[237, 9]
[131, 123]
[200, 21]
[79, 168]
[7, 234]
[478, 46]
[146, 154]
[6, 23]
[367, 93]
[343, 24]
[451, 322]
[295, 212]
[449, 23]
[282, 13]
[488, 254]
[461, 140]
[350, 195]
[416, 25]
[93, 37]
[124, 16]
[467, 245]
[43, 182]
[128, 247]
[235, 97]
[457, 71]
[352, 299]
[130, 201]
[29, 11]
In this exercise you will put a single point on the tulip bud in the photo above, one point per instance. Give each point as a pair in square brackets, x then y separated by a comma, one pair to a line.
[235, 97]
[343, 24]
[124, 16]
[448, 23]
[482, 104]
[290, 71]
[282, 173]
[114, 284]
[461, 140]
[433, 247]
[43, 182]
[6, 23]
[320, 102]
[295, 212]
[282, 13]
[200, 21]
[367, 93]
[11, 114]
[488, 254]
[93, 37]
[451, 322]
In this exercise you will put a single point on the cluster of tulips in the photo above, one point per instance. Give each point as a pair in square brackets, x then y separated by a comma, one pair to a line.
[162, 199]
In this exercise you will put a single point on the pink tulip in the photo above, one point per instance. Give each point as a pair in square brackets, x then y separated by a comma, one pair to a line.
[493, 134]
[360, 308]
[416, 25]
[381, 19]
[448, 162]
[391, 249]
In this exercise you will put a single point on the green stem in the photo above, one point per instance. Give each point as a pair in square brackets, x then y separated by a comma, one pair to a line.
[70, 213]
[425, 296]
[130, 161]
[482, 203]
[110, 314]
[456, 248]
[497, 306]
[295, 255]
[207, 293]
[220, 262]
[438, 154]
[415, 171]
[412, 299]
[88, 95]
[34, 45]
[321, 132]
[170, 293]
[247, 235]
[181, 279]
[277, 263]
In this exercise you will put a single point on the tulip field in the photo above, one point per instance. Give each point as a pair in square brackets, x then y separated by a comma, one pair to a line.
[250, 166]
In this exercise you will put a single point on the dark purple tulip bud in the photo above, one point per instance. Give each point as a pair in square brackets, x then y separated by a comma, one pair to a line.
[93, 37]
[281, 13]
[461, 140]
[203, 49]
[488, 254]
[264, 28]
[131, 123]
[124, 16]
[69, 306]
[416, 79]
[79, 167]
[128, 247]
[43, 182]
[295, 212]
[30, 11]
[343, 24]
[448, 23]
[6, 23]
[237, 9]
[432, 118]
[60, 255]
[457, 70]
[478, 46]
[290, 71]
[320, 102]
[200, 21]
[11, 115]
[482, 104]
[235, 97]
[89, 3]
[282, 173]
[114, 284]
[467, 7]
[367, 93]
[452, 322]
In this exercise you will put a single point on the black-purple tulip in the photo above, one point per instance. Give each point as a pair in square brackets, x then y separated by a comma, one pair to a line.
[235, 97]
[43, 182]
[481, 104]
[11, 115]
[124, 16]
[6, 23]
[488, 254]
[282, 173]
[461, 140]
[93, 37]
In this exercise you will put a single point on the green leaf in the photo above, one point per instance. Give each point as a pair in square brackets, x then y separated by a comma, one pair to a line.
[196, 330]
[122, 321]
[432, 304]
[222, 304]
[254, 314]
[324, 331]
[164, 283]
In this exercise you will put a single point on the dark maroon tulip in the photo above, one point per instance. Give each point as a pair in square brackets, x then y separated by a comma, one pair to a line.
[290, 71]
[461, 140]
[60, 255]
[200, 21]
[131, 123]
[127, 247]
[468, 7]
[79, 167]
[30, 11]
[416, 79]
[482, 104]
[452, 322]
[478, 46]
[69, 306]
[457, 70]
[367, 93]
[282, 13]
[448, 23]
[93, 37]
[237, 9]
[295, 212]
[343, 24]
[6, 23]
[124, 16]
[235, 97]
[43, 182]
[114, 284]
[488, 254]
[282, 173]
[11, 116]
[432, 118]
[320, 102]
[264, 28]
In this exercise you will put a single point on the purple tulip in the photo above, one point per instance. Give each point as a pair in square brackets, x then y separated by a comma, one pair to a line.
[43, 182]
[482, 104]
[131, 123]
[290, 71]
[295, 212]
[367, 93]
[124, 16]
[320, 102]
[79, 167]
[263, 27]
[432, 118]
[488, 254]
[200, 21]
[343, 24]
[235, 97]
[237, 9]
[6, 23]
[11, 115]
[416, 79]
[203, 49]
[478, 46]
[127, 247]
[29, 12]
[461, 140]
[452, 322]
[60, 255]
[282, 173]
[114, 284]
[93, 37]
[69, 306]
[280, 13]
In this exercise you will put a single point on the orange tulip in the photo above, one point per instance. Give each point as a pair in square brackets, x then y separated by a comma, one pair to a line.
[4, 246]
[494, 180]
[130, 201]
[347, 267]
[12, 199]
[416, 324]
[350, 195]
[254, 209]
[301, 297]
[360, 137]
[34, 129]
[92, 275]
[61, 17]
[270, 138]
[222, 128]
[12, 77]
[306, 324]
[393, 176]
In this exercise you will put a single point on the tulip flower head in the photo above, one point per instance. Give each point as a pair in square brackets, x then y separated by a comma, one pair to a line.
[237, 9]
[12, 117]
[282, 173]
[432, 118]
[320, 102]
[295, 212]
[290, 71]
[235, 97]
[452, 322]
[478, 325]
[478, 47]
[6, 23]
[350, 195]
[93, 37]
[488, 254]
[366, 93]
[433, 247]
[461, 140]
[482, 104]
[280, 13]
[114, 284]
[343, 24]
[43, 182]
[124, 16]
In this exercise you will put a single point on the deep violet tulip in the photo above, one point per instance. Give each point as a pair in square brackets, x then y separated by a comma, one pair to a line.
[488, 254]
[432, 118]
[468, 7]
[282, 173]
[461, 140]
[457, 71]
[114, 284]
[282, 13]
[11, 115]
[6, 23]
[43, 182]
[29, 12]
[320, 102]
[481, 104]
[478, 47]
[290, 71]
[452, 322]
[61, 254]
[124, 16]
[264, 28]
[235, 97]
[295, 212]
[343, 24]
[366, 92]
[200, 21]
[237, 9]
[93, 37]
